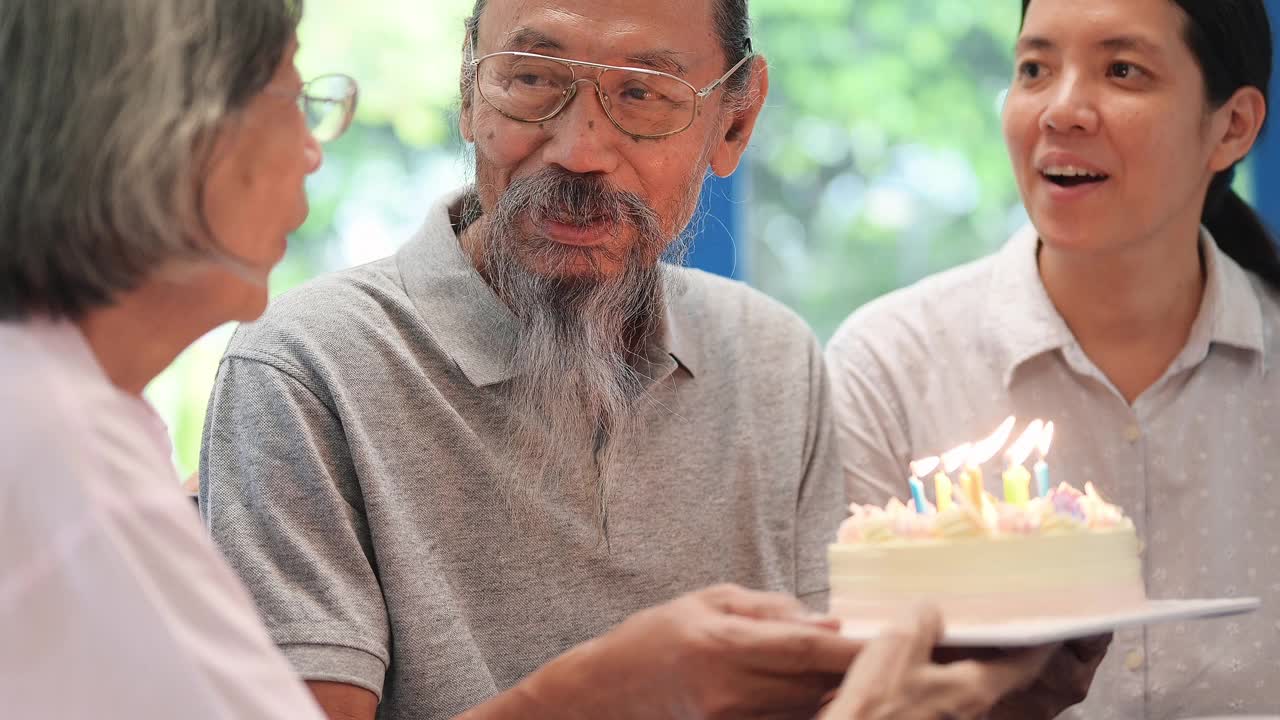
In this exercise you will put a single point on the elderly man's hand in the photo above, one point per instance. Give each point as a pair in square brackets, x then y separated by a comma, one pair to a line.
[1064, 682]
[723, 652]
[895, 677]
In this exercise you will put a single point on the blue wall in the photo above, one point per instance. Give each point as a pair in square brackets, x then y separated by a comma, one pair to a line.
[719, 244]
[1266, 155]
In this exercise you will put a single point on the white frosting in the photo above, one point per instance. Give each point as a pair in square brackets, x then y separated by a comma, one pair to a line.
[1070, 553]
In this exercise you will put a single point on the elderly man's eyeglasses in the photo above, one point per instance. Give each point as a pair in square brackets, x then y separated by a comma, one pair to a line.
[328, 102]
[643, 103]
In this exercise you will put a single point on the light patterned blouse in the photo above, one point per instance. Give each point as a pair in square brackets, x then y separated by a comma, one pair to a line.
[1193, 460]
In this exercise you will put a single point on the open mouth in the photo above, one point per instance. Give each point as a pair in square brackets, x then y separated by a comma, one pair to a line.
[1069, 176]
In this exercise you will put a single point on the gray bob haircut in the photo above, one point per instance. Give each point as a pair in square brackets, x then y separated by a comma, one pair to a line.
[110, 108]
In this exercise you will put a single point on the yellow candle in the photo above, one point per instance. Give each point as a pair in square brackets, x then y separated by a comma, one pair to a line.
[1017, 485]
[971, 481]
[942, 491]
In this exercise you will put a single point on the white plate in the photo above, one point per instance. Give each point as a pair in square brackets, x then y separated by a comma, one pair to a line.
[1023, 633]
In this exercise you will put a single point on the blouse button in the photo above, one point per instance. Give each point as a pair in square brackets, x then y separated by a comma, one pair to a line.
[1133, 661]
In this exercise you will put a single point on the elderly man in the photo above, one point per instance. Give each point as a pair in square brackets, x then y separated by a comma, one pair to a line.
[441, 471]
[472, 477]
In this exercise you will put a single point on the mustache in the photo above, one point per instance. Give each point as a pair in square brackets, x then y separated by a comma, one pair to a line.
[576, 199]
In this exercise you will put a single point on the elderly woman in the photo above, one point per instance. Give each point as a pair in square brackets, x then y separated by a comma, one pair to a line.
[154, 156]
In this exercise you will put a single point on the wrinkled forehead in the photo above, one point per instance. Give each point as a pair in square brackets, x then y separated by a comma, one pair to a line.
[675, 36]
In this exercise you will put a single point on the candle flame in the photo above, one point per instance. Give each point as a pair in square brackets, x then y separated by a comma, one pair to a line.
[1092, 492]
[1046, 439]
[986, 448]
[953, 458]
[1020, 450]
[922, 467]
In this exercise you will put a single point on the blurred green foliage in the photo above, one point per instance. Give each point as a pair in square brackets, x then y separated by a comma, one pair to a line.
[377, 180]
[879, 158]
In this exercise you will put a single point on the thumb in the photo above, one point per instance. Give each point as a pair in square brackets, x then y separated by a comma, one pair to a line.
[756, 605]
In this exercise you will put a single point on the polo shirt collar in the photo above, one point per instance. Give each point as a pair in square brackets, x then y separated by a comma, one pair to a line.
[1022, 322]
[1230, 313]
[678, 338]
[473, 326]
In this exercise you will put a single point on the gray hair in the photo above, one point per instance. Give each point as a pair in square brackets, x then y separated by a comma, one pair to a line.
[110, 108]
[576, 384]
[733, 28]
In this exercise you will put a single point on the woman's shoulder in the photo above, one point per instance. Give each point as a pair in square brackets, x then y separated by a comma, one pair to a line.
[1269, 303]
[1268, 298]
[61, 417]
[47, 382]
[928, 308]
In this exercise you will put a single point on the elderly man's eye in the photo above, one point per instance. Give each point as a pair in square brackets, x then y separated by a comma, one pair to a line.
[638, 93]
[531, 79]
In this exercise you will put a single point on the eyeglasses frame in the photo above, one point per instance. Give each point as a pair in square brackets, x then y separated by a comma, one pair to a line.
[569, 92]
[303, 95]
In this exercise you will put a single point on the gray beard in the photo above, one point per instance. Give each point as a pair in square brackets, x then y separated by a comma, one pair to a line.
[577, 380]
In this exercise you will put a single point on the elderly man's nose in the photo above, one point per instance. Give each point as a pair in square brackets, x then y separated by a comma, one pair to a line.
[583, 140]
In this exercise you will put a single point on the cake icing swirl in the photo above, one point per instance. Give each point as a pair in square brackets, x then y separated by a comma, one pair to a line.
[1065, 510]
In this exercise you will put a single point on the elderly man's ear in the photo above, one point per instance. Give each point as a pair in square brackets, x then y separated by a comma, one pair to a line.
[738, 127]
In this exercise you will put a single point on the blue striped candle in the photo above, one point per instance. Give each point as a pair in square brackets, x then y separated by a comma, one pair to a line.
[917, 494]
[1042, 478]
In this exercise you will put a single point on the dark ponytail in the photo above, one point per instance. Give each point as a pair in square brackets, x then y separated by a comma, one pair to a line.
[1231, 41]
[1239, 231]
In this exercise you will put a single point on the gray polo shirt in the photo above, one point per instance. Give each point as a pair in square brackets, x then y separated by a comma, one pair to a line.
[356, 438]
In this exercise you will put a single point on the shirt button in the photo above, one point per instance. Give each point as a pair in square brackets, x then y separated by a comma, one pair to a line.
[1133, 661]
[1133, 433]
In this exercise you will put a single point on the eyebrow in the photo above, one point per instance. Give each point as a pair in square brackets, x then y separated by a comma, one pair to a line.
[528, 39]
[664, 60]
[1118, 42]
[531, 40]
[1131, 42]
[1034, 42]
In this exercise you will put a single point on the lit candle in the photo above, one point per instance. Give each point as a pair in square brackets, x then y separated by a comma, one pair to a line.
[951, 461]
[919, 469]
[1041, 467]
[971, 485]
[1017, 481]
[942, 491]
[983, 451]
[917, 494]
[1017, 485]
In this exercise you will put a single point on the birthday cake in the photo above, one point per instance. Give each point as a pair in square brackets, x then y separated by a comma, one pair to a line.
[981, 559]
